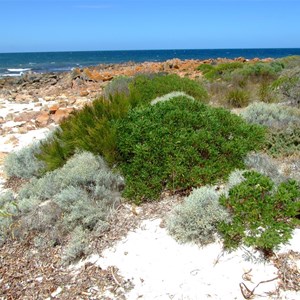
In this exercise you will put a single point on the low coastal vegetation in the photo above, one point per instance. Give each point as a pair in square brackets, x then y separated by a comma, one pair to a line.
[156, 133]
[180, 144]
[92, 129]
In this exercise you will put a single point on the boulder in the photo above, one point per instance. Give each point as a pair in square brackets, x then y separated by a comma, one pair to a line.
[26, 116]
[53, 108]
[61, 114]
[42, 119]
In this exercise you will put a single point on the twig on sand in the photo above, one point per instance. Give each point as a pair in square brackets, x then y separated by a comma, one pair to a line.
[114, 277]
[247, 293]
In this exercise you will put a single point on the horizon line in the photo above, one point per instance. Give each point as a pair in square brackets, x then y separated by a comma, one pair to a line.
[164, 49]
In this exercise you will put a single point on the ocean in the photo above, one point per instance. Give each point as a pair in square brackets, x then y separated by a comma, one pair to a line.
[15, 64]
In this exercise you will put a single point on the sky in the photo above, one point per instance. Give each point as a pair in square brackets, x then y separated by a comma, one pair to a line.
[80, 25]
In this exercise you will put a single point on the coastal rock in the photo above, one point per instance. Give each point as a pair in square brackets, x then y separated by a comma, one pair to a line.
[84, 93]
[241, 59]
[53, 108]
[26, 116]
[61, 114]
[42, 119]
[23, 98]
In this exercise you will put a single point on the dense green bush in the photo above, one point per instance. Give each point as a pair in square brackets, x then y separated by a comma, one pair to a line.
[220, 70]
[146, 88]
[205, 68]
[197, 218]
[91, 129]
[262, 216]
[262, 70]
[180, 144]
[271, 115]
[88, 129]
[23, 163]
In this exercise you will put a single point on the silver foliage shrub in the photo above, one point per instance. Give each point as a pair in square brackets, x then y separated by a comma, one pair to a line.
[84, 188]
[23, 163]
[235, 177]
[196, 219]
[81, 194]
[7, 210]
[77, 247]
[271, 115]
[170, 96]
[263, 164]
[119, 85]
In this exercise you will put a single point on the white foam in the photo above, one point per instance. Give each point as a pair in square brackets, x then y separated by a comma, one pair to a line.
[18, 70]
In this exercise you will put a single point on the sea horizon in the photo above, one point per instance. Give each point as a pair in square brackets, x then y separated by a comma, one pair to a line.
[154, 49]
[17, 63]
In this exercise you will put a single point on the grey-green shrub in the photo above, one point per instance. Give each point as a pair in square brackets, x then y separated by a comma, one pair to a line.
[264, 165]
[119, 85]
[77, 247]
[170, 96]
[197, 218]
[235, 178]
[7, 209]
[287, 86]
[271, 115]
[283, 142]
[84, 188]
[23, 163]
[81, 194]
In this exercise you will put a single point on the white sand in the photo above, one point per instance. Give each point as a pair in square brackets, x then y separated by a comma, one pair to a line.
[13, 142]
[160, 268]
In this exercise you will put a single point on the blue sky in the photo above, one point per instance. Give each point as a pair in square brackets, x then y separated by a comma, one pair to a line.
[65, 25]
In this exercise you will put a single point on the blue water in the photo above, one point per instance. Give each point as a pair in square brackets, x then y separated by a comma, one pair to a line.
[13, 64]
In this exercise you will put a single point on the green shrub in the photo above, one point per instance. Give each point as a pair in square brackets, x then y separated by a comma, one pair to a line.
[196, 220]
[222, 70]
[91, 129]
[288, 86]
[265, 92]
[145, 88]
[271, 115]
[23, 163]
[290, 62]
[205, 68]
[88, 129]
[283, 142]
[237, 98]
[262, 216]
[262, 70]
[180, 144]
